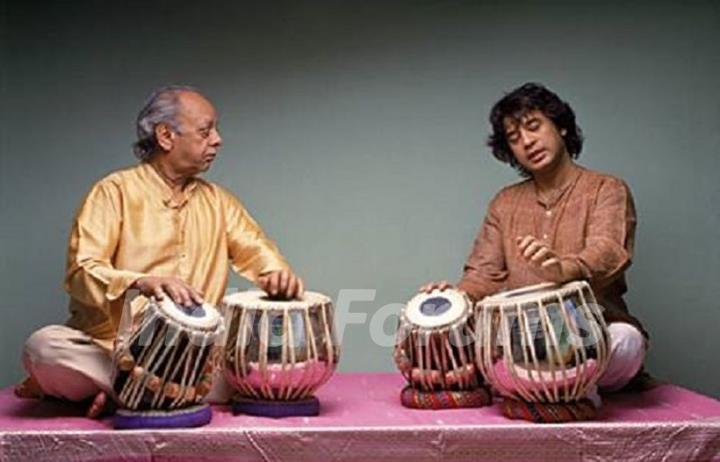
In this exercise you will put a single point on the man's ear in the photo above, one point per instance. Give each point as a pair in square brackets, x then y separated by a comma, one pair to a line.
[165, 136]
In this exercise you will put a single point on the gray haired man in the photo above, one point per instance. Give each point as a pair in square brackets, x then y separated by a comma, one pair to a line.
[155, 229]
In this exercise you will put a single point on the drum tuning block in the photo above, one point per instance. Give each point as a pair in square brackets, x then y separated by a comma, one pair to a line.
[126, 362]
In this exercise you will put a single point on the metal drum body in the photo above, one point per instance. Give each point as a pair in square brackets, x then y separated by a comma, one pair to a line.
[279, 350]
[543, 343]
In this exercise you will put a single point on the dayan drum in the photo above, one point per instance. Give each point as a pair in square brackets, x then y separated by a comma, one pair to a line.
[435, 352]
[163, 365]
[278, 353]
[545, 344]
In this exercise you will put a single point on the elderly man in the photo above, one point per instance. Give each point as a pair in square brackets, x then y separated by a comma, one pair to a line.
[564, 222]
[155, 229]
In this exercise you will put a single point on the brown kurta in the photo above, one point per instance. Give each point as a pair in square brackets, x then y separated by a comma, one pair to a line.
[129, 227]
[590, 220]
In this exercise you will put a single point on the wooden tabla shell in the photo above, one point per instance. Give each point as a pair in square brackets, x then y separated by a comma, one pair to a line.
[542, 343]
[279, 350]
[434, 347]
[165, 358]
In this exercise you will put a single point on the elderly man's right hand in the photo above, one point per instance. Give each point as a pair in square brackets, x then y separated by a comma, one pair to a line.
[179, 291]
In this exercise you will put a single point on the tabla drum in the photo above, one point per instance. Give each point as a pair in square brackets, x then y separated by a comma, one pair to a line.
[163, 365]
[543, 344]
[434, 350]
[278, 353]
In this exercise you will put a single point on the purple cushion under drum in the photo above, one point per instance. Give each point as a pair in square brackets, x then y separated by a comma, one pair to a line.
[445, 399]
[195, 416]
[276, 409]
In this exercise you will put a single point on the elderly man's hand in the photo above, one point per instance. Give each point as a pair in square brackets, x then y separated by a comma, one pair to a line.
[283, 284]
[179, 291]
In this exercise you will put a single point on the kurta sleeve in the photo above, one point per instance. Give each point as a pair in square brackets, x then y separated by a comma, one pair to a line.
[251, 252]
[610, 234]
[90, 276]
[485, 270]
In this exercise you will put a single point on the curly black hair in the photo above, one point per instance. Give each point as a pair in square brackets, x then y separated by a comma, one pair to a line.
[529, 97]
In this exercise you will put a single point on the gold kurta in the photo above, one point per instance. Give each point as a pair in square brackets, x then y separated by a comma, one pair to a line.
[129, 226]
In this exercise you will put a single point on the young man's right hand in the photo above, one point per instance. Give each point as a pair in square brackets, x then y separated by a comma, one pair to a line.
[440, 285]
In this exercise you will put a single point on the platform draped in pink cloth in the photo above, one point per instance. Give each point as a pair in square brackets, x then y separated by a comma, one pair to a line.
[362, 419]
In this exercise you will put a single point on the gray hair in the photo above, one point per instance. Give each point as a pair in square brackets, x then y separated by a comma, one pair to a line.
[161, 107]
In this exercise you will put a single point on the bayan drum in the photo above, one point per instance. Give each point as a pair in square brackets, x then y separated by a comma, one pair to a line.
[163, 366]
[278, 353]
[543, 347]
[434, 350]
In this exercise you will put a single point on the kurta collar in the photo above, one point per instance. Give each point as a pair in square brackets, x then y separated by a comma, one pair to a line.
[163, 190]
[554, 196]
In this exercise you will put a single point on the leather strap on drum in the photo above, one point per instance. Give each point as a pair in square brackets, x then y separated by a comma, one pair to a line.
[549, 412]
[444, 399]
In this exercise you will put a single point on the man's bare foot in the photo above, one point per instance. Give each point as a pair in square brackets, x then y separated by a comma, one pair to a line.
[100, 406]
[29, 389]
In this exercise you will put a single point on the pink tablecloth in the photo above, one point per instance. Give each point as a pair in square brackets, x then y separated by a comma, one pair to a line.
[362, 419]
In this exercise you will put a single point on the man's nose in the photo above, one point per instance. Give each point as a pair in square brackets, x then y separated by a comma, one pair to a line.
[527, 138]
[217, 139]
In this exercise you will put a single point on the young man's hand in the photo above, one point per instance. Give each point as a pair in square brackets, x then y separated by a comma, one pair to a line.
[545, 262]
[440, 285]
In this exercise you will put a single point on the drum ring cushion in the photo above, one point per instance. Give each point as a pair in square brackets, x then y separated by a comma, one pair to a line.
[445, 399]
[195, 416]
[276, 409]
[574, 411]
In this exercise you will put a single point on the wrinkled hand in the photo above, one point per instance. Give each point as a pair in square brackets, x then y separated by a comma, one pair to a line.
[283, 284]
[179, 291]
[440, 285]
[541, 258]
